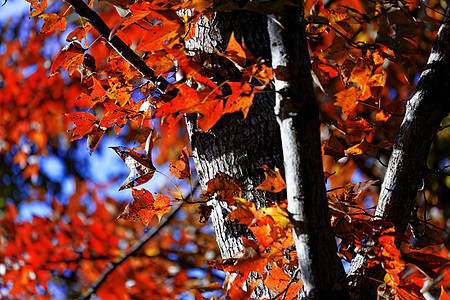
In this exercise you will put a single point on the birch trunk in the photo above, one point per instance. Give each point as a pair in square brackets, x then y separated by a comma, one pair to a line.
[298, 115]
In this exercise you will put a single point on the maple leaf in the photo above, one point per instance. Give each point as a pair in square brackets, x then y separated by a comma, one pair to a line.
[241, 98]
[37, 7]
[226, 188]
[140, 164]
[145, 206]
[359, 149]
[79, 33]
[334, 148]
[84, 122]
[180, 168]
[52, 22]
[69, 58]
[235, 53]
[244, 262]
[274, 182]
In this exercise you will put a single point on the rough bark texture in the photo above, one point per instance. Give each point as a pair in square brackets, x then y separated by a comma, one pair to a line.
[235, 146]
[297, 113]
[407, 165]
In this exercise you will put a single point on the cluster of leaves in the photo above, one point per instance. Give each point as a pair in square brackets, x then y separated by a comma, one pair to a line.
[358, 52]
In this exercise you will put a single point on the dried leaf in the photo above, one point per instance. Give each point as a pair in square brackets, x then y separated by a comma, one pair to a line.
[140, 164]
[274, 182]
[180, 168]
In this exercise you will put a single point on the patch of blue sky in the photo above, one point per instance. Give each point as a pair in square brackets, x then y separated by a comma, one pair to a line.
[357, 176]
[34, 208]
[58, 291]
[196, 273]
[392, 94]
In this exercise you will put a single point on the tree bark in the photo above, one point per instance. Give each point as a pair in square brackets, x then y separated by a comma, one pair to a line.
[236, 146]
[298, 115]
[408, 162]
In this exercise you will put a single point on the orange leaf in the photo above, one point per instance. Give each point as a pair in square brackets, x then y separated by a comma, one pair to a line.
[347, 99]
[358, 149]
[180, 168]
[240, 99]
[444, 294]
[37, 8]
[52, 22]
[210, 114]
[79, 33]
[84, 123]
[274, 182]
[226, 188]
[235, 53]
[69, 58]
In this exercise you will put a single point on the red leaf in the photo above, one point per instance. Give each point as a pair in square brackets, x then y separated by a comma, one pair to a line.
[52, 22]
[180, 168]
[80, 33]
[69, 58]
[144, 207]
[84, 123]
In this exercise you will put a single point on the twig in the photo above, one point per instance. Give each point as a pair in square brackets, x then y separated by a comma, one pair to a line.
[117, 44]
[135, 248]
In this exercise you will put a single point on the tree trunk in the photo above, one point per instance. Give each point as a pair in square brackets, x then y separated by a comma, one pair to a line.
[236, 146]
[408, 163]
[298, 115]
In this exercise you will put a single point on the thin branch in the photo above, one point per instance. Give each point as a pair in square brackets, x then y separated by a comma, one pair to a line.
[135, 248]
[117, 44]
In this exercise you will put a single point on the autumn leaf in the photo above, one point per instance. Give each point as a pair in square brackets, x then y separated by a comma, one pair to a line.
[37, 7]
[226, 188]
[274, 182]
[140, 164]
[244, 262]
[348, 99]
[180, 168]
[52, 22]
[79, 33]
[144, 207]
[358, 149]
[334, 148]
[235, 53]
[444, 294]
[241, 98]
[84, 122]
[69, 58]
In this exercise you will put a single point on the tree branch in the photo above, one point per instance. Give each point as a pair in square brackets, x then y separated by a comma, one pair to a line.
[117, 44]
[135, 248]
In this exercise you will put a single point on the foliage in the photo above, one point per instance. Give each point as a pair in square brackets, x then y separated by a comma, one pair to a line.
[365, 59]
